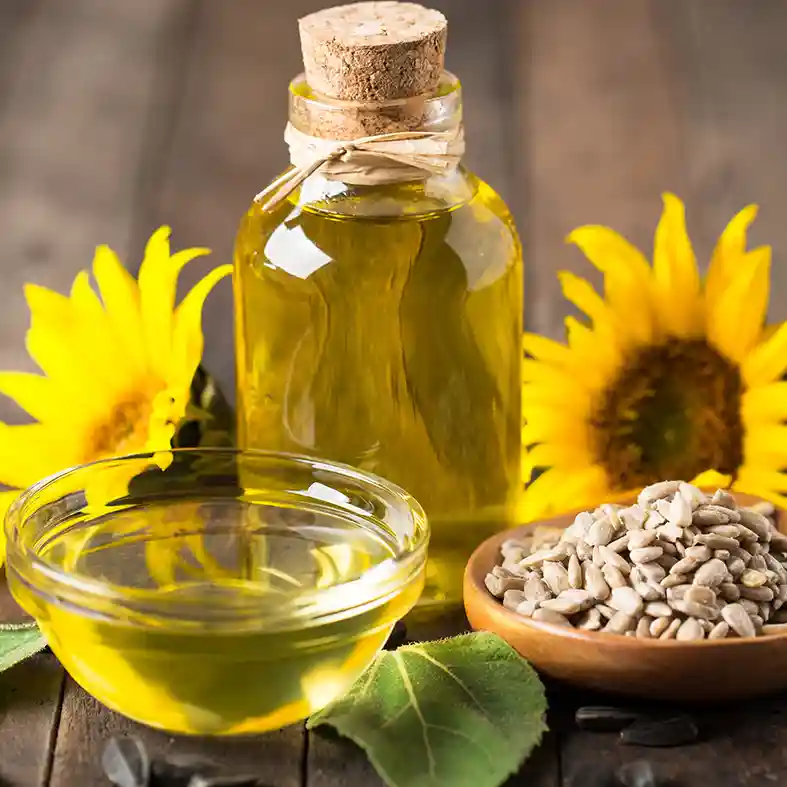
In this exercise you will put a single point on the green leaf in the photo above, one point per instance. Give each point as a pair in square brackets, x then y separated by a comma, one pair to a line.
[459, 712]
[18, 642]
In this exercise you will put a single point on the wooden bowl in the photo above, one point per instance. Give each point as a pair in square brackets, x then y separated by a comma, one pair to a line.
[653, 669]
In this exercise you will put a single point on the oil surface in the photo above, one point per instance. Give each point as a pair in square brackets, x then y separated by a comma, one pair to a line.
[207, 678]
[391, 343]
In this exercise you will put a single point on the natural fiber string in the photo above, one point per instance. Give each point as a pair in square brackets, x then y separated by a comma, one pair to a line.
[397, 156]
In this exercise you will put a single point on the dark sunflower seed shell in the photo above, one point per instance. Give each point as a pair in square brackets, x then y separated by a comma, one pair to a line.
[675, 731]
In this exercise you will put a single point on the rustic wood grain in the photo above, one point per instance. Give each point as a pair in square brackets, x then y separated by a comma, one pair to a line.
[29, 702]
[741, 746]
[72, 122]
[86, 726]
[728, 66]
[603, 138]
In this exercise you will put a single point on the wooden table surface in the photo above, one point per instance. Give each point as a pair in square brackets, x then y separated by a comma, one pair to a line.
[52, 735]
[116, 117]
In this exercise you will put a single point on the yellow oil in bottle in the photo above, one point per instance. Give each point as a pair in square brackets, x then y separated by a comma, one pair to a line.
[208, 676]
[380, 326]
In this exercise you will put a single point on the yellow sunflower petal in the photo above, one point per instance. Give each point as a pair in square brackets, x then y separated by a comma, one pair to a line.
[158, 279]
[35, 394]
[764, 404]
[627, 275]
[676, 277]
[120, 294]
[735, 320]
[32, 452]
[752, 477]
[554, 455]
[545, 349]
[188, 340]
[712, 479]
[768, 361]
[730, 247]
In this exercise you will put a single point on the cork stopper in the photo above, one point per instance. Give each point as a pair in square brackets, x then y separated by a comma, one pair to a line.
[374, 52]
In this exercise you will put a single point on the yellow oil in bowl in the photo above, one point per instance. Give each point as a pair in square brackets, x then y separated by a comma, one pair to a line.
[235, 592]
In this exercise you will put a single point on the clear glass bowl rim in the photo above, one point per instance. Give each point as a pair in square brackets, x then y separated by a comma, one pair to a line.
[28, 565]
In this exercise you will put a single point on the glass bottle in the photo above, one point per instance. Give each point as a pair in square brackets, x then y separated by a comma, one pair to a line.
[380, 326]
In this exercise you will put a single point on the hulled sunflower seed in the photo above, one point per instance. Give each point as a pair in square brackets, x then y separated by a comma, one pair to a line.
[765, 610]
[685, 566]
[620, 623]
[606, 611]
[690, 630]
[756, 522]
[652, 572]
[680, 548]
[778, 541]
[751, 607]
[527, 608]
[643, 627]
[649, 591]
[595, 583]
[549, 616]
[513, 598]
[729, 531]
[671, 630]
[758, 622]
[662, 506]
[705, 517]
[752, 578]
[672, 580]
[633, 518]
[757, 593]
[670, 532]
[677, 592]
[590, 621]
[722, 554]
[738, 620]
[699, 553]
[498, 586]
[736, 566]
[619, 544]
[584, 550]
[715, 541]
[638, 539]
[657, 491]
[746, 535]
[701, 595]
[694, 610]
[646, 554]
[556, 577]
[609, 557]
[613, 577]
[723, 499]
[711, 574]
[668, 547]
[626, 599]
[659, 626]
[536, 589]
[574, 572]
[720, 630]
[658, 609]
[729, 591]
[665, 561]
[775, 566]
[680, 511]
[600, 532]
[692, 495]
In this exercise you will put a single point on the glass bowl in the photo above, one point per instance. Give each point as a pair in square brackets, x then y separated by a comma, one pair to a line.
[215, 591]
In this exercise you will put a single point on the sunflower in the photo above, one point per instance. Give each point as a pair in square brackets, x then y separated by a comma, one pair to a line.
[670, 376]
[117, 369]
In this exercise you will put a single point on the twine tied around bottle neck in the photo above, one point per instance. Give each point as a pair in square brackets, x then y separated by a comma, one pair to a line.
[393, 157]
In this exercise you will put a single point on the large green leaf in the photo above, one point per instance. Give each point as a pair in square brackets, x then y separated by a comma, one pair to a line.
[18, 642]
[460, 712]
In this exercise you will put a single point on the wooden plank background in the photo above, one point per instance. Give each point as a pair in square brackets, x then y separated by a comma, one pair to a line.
[117, 117]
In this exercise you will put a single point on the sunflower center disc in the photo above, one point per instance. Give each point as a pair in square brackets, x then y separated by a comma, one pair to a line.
[672, 412]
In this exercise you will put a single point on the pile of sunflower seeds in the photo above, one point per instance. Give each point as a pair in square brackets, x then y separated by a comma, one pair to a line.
[676, 565]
